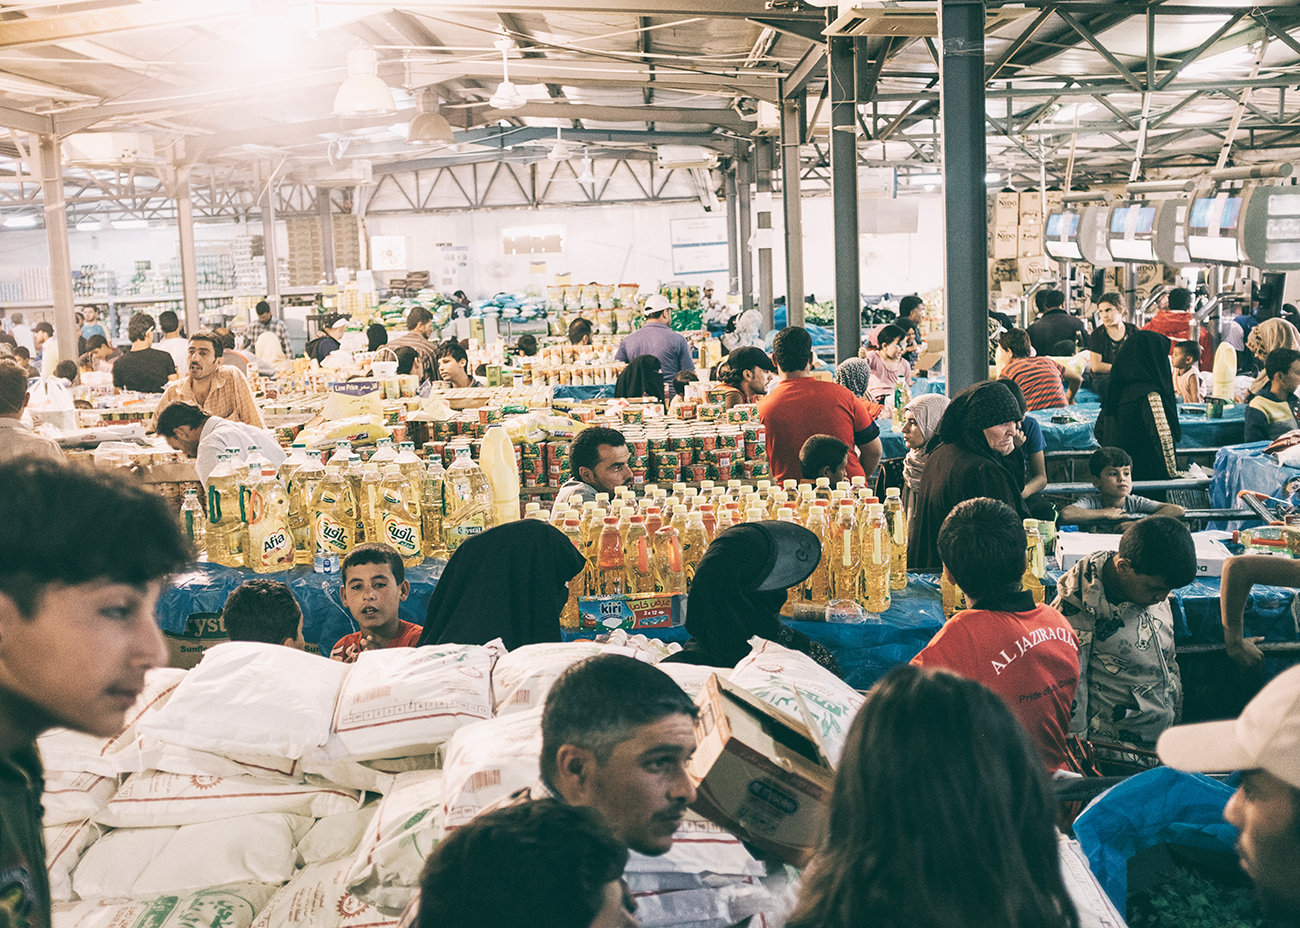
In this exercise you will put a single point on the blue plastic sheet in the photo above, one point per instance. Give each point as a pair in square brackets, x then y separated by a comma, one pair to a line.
[581, 393]
[1247, 467]
[1159, 806]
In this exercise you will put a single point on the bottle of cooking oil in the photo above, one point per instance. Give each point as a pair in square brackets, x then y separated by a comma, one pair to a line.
[637, 564]
[710, 519]
[469, 501]
[875, 558]
[1034, 560]
[334, 520]
[270, 545]
[369, 500]
[572, 528]
[902, 396]
[897, 520]
[397, 521]
[694, 542]
[609, 558]
[225, 527]
[193, 519]
[817, 586]
[669, 567]
[296, 459]
[413, 470]
[793, 594]
[593, 520]
[954, 600]
[353, 471]
[431, 508]
[726, 519]
[385, 452]
[845, 552]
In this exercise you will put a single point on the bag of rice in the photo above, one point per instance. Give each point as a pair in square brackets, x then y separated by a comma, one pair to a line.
[64, 845]
[786, 678]
[318, 897]
[701, 851]
[74, 797]
[152, 799]
[692, 677]
[215, 907]
[252, 698]
[244, 849]
[402, 701]
[489, 760]
[111, 865]
[523, 677]
[172, 758]
[335, 836]
[386, 871]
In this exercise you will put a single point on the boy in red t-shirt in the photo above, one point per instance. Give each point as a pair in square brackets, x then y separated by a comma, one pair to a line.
[374, 588]
[1028, 654]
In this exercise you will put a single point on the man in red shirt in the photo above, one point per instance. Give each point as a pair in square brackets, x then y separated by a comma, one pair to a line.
[800, 406]
[1175, 321]
[374, 588]
[1027, 653]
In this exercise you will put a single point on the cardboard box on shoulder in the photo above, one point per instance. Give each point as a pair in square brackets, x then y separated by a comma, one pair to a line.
[759, 772]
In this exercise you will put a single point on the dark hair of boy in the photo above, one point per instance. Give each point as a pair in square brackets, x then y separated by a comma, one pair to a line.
[1063, 349]
[1113, 298]
[527, 345]
[683, 378]
[1189, 348]
[1017, 342]
[820, 452]
[168, 321]
[889, 334]
[1108, 456]
[792, 349]
[560, 859]
[212, 338]
[373, 552]
[1052, 299]
[578, 330]
[262, 610]
[263, 308]
[1180, 300]
[177, 415]
[1160, 546]
[600, 702]
[585, 450]
[96, 341]
[405, 356]
[1279, 361]
[47, 507]
[44, 327]
[982, 544]
[453, 348]
[67, 370]
[139, 326]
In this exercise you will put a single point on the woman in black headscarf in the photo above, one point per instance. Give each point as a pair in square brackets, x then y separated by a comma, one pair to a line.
[641, 377]
[973, 458]
[739, 589]
[476, 600]
[1140, 410]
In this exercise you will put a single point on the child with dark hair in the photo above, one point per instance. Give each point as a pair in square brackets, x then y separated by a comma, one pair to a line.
[1275, 410]
[264, 610]
[886, 363]
[373, 590]
[824, 456]
[1183, 357]
[1112, 475]
[1130, 689]
[1026, 653]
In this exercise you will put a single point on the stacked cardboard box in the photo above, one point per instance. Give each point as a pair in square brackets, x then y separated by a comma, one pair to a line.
[1016, 222]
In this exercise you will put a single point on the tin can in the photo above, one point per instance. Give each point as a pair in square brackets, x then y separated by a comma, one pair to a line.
[686, 410]
[708, 441]
[699, 472]
[489, 414]
[632, 416]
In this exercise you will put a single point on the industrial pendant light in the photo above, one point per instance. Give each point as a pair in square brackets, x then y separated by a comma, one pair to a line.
[428, 125]
[507, 96]
[585, 176]
[363, 93]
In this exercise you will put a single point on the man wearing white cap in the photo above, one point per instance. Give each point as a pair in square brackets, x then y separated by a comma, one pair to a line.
[1263, 743]
[656, 338]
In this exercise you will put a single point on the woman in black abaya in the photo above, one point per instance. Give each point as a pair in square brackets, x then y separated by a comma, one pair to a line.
[642, 377]
[509, 582]
[1140, 411]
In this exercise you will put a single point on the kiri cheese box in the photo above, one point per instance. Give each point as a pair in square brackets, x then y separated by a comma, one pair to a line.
[1072, 547]
[759, 772]
[632, 612]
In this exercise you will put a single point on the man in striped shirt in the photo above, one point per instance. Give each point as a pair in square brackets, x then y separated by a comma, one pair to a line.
[1043, 381]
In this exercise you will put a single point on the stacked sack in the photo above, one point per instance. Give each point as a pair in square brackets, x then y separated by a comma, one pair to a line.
[277, 789]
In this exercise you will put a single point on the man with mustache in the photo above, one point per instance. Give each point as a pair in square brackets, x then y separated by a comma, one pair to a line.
[218, 389]
[77, 635]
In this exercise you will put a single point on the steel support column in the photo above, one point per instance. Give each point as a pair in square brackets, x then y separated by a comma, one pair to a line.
[327, 234]
[268, 245]
[745, 222]
[733, 233]
[56, 236]
[185, 231]
[792, 208]
[844, 198]
[961, 101]
[763, 226]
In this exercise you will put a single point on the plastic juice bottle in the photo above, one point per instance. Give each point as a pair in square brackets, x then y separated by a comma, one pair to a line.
[653, 520]
[413, 470]
[1034, 560]
[678, 521]
[572, 529]
[902, 396]
[193, 519]
[431, 508]
[817, 586]
[822, 488]
[532, 507]
[334, 520]
[636, 558]
[609, 558]
[669, 565]
[710, 519]
[469, 501]
[694, 542]
[763, 486]
[875, 559]
[777, 502]
[789, 485]
[726, 519]
[397, 521]
[497, 460]
[602, 501]
[954, 600]
[270, 537]
[301, 490]
[224, 535]
[897, 520]
[845, 552]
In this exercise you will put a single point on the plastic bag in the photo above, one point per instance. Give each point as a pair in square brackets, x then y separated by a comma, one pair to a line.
[50, 402]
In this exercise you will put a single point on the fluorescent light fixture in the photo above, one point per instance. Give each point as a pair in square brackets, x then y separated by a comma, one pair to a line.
[507, 96]
[363, 93]
[924, 179]
[992, 177]
[89, 225]
[20, 221]
[428, 125]
[131, 224]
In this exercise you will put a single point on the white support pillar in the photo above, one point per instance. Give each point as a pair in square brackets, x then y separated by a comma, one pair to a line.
[185, 230]
[268, 245]
[56, 235]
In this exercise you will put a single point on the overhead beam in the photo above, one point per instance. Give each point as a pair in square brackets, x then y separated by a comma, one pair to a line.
[742, 9]
[1101, 49]
[811, 67]
[724, 118]
[23, 121]
[811, 30]
[126, 17]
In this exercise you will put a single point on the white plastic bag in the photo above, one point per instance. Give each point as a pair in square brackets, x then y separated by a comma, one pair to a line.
[489, 760]
[50, 403]
[245, 849]
[72, 796]
[64, 845]
[523, 677]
